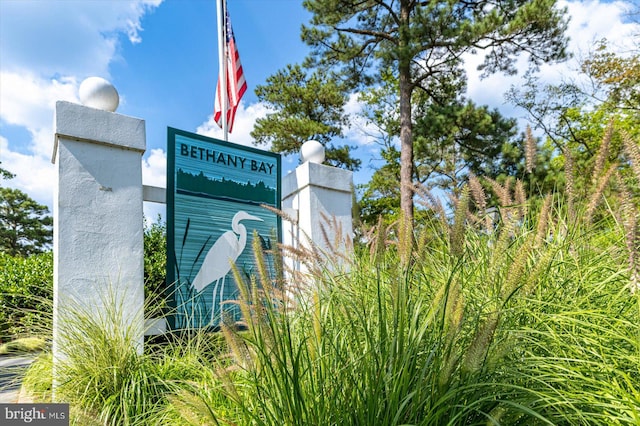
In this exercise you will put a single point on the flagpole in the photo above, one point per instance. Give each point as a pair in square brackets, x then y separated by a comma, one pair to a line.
[222, 65]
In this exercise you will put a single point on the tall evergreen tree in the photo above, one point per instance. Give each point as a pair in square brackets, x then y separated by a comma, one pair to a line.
[452, 140]
[304, 107]
[25, 226]
[423, 42]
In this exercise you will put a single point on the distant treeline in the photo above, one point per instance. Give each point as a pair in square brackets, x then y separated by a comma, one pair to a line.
[225, 188]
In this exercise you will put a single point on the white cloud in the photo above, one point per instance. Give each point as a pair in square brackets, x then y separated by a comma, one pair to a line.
[593, 20]
[34, 174]
[246, 117]
[154, 168]
[590, 21]
[28, 100]
[47, 48]
[360, 132]
[72, 37]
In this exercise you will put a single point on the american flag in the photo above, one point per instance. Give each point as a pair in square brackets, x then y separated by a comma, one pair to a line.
[236, 84]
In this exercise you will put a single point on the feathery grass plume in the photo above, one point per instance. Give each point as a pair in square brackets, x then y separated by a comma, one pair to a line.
[453, 321]
[427, 199]
[633, 153]
[632, 236]
[520, 198]
[503, 192]
[476, 353]
[569, 188]
[602, 154]
[235, 344]
[542, 227]
[509, 221]
[339, 250]
[377, 237]
[264, 275]
[244, 300]
[326, 224]
[542, 263]
[516, 270]
[278, 263]
[281, 213]
[477, 192]
[315, 344]
[257, 309]
[634, 283]
[451, 362]
[192, 408]
[454, 309]
[311, 261]
[304, 252]
[405, 240]
[405, 233]
[507, 231]
[480, 199]
[456, 235]
[530, 151]
[595, 198]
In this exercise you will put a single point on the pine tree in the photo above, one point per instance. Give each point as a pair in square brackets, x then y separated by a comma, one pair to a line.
[423, 42]
[25, 226]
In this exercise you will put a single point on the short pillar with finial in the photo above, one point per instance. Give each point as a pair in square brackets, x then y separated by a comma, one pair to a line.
[98, 216]
[318, 198]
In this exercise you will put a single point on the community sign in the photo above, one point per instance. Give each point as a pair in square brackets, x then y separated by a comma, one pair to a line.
[216, 197]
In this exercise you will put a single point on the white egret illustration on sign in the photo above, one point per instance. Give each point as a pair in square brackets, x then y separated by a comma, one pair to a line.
[218, 260]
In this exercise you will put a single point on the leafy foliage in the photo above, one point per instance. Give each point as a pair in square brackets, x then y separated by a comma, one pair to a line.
[381, 195]
[451, 141]
[155, 269]
[304, 107]
[25, 227]
[618, 76]
[5, 174]
[576, 118]
[26, 291]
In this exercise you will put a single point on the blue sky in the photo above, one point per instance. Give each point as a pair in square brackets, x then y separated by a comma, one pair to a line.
[162, 58]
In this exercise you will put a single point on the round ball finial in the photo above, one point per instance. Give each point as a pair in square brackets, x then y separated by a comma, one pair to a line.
[96, 92]
[312, 151]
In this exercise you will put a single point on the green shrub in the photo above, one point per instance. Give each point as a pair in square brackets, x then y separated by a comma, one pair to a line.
[26, 286]
[26, 292]
[155, 272]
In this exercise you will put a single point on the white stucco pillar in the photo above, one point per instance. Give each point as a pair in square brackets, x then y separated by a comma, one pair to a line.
[98, 219]
[317, 195]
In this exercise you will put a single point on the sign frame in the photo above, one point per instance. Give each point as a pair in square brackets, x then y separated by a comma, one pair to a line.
[200, 155]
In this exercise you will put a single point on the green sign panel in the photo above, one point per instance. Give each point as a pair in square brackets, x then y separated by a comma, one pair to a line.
[216, 193]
